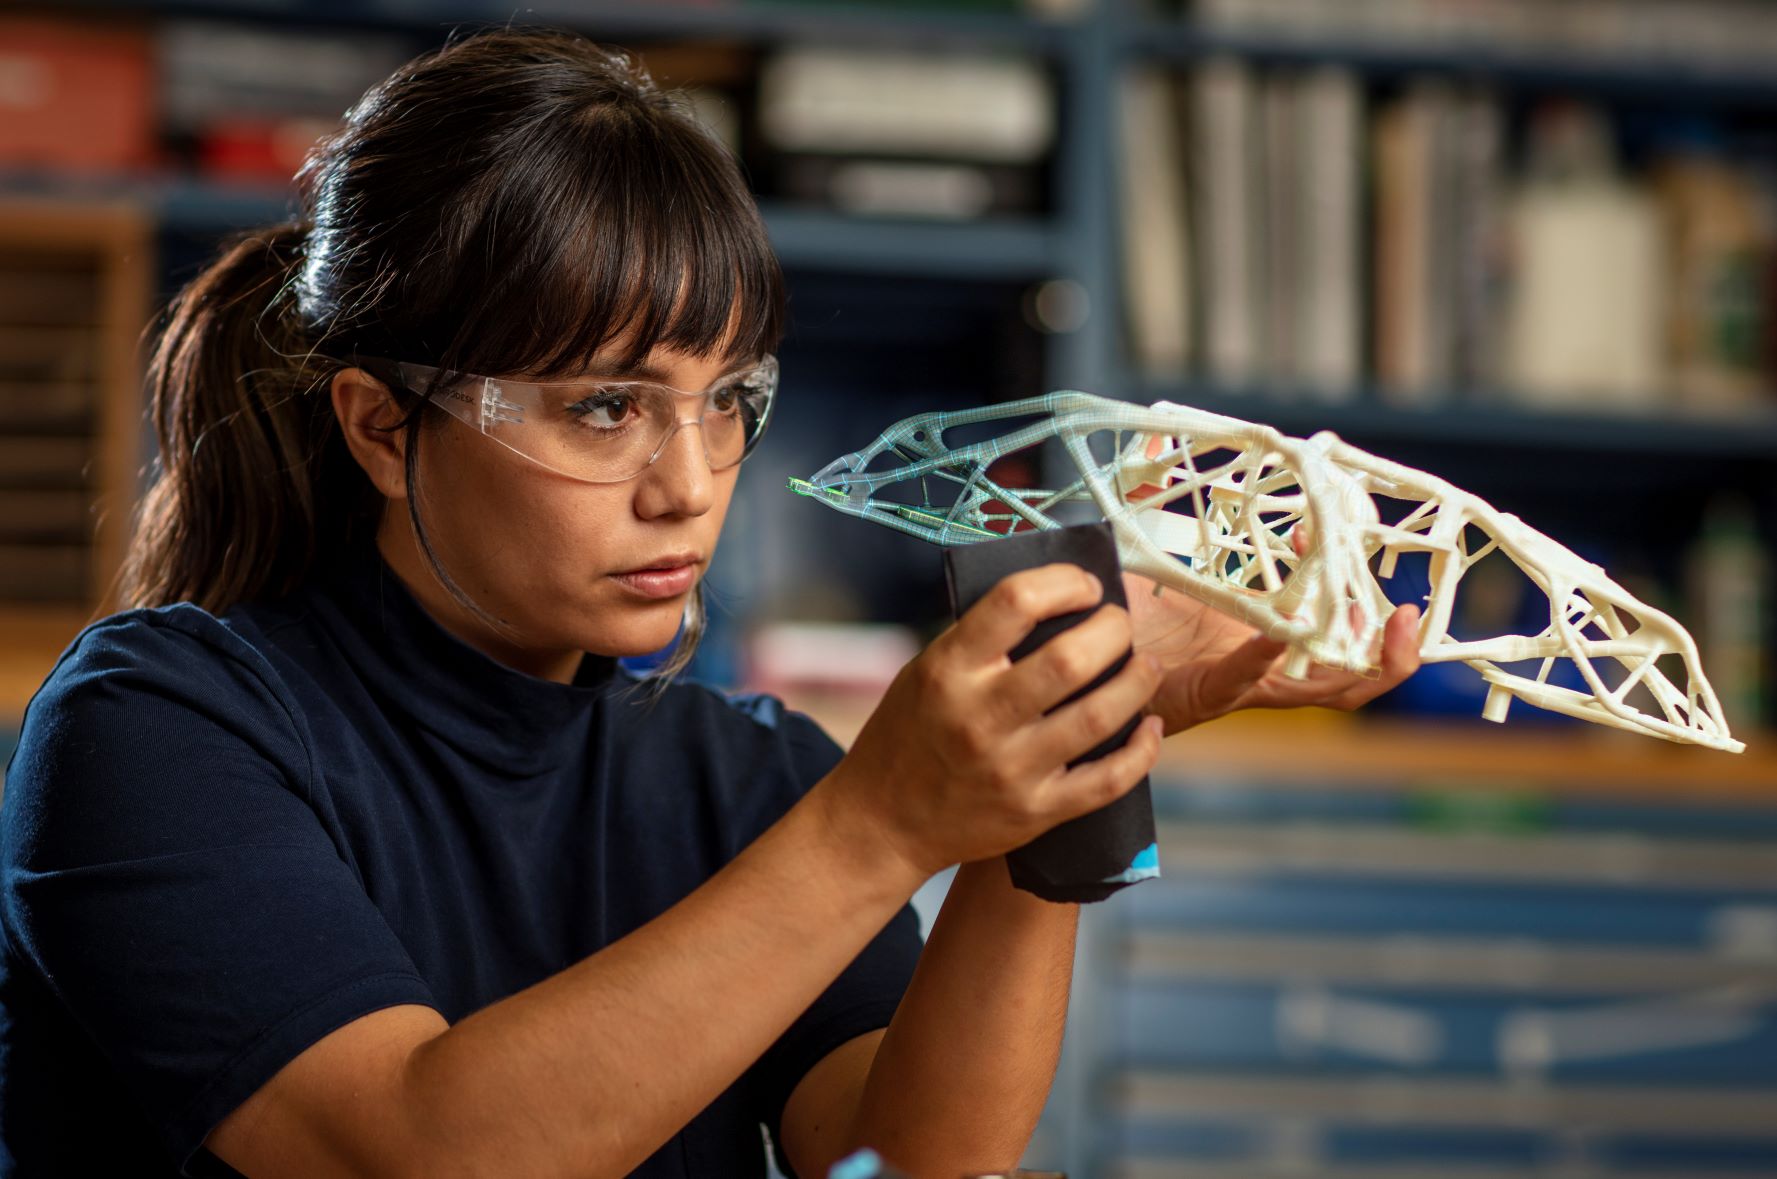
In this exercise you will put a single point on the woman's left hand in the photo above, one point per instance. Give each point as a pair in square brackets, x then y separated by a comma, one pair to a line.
[1213, 664]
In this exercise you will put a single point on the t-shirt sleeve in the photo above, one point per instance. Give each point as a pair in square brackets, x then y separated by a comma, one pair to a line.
[163, 871]
[864, 996]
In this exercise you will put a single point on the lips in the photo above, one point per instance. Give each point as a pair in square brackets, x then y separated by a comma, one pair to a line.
[673, 561]
[669, 577]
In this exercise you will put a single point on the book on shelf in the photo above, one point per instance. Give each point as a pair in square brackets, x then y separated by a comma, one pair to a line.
[1414, 242]
[1277, 243]
[1265, 286]
[1480, 239]
[1225, 165]
[1439, 241]
[1717, 218]
[1154, 207]
[1327, 211]
[952, 135]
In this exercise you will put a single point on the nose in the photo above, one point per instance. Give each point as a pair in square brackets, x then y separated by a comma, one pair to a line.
[679, 481]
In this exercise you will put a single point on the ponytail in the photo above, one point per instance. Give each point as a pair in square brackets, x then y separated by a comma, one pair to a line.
[247, 438]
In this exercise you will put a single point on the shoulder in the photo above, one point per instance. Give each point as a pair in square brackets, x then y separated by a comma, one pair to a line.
[146, 659]
[155, 633]
[150, 716]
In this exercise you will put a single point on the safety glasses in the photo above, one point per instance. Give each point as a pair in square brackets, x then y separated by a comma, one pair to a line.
[595, 430]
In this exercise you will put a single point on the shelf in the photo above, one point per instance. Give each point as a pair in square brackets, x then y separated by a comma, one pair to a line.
[1666, 80]
[1741, 435]
[1407, 1100]
[999, 248]
[934, 26]
[1008, 248]
[172, 201]
[1316, 746]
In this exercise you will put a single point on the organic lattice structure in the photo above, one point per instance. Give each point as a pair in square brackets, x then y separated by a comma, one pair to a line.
[1206, 504]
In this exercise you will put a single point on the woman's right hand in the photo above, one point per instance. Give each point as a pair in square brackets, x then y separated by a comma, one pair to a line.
[963, 759]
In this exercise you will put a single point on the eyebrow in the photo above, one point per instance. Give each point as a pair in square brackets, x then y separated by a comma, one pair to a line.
[640, 372]
[644, 371]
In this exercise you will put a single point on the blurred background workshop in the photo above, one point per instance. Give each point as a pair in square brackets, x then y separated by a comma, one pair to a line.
[1527, 245]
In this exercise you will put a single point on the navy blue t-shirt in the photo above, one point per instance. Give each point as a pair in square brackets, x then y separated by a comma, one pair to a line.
[223, 837]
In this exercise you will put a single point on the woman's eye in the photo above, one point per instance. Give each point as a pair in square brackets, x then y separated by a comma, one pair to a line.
[605, 409]
[726, 400]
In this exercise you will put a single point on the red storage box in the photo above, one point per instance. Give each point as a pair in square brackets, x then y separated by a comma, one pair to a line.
[75, 96]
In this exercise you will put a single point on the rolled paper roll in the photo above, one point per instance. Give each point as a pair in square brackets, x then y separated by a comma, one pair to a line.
[1088, 858]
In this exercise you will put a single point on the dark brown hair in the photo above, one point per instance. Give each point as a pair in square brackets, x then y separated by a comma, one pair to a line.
[509, 204]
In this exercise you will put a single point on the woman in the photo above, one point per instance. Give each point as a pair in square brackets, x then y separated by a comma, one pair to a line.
[351, 850]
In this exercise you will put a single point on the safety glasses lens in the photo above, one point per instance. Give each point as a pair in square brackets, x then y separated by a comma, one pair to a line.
[608, 432]
[615, 431]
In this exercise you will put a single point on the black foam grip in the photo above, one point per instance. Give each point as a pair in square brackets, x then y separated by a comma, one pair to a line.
[1078, 860]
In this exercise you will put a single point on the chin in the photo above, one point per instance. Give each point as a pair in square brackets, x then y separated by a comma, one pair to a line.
[641, 636]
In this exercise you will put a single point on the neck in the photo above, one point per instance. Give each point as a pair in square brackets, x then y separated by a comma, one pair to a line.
[399, 546]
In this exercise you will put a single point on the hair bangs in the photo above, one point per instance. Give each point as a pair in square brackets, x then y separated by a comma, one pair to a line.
[643, 236]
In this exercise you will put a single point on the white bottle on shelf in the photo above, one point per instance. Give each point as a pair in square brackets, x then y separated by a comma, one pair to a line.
[1586, 314]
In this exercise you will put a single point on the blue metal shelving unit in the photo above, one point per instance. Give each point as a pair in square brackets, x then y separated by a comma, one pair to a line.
[1329, 981]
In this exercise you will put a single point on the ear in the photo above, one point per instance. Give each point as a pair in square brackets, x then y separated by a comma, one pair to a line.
[367, 414]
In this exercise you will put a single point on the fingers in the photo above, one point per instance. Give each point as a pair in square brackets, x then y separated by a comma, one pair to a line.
[1009, 611]
[1400, 644]
[1094, 784]
[1063, 665]
[1074, 729]
[1400, 659]
[1249, 676]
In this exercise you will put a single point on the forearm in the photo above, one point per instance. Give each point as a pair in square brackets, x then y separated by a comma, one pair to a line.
[965, 1068]
[589, 1071]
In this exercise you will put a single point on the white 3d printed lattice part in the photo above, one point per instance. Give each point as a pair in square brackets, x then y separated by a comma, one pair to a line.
[1205, 504]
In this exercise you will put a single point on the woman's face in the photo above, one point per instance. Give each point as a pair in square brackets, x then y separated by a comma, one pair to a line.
[557, 559]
